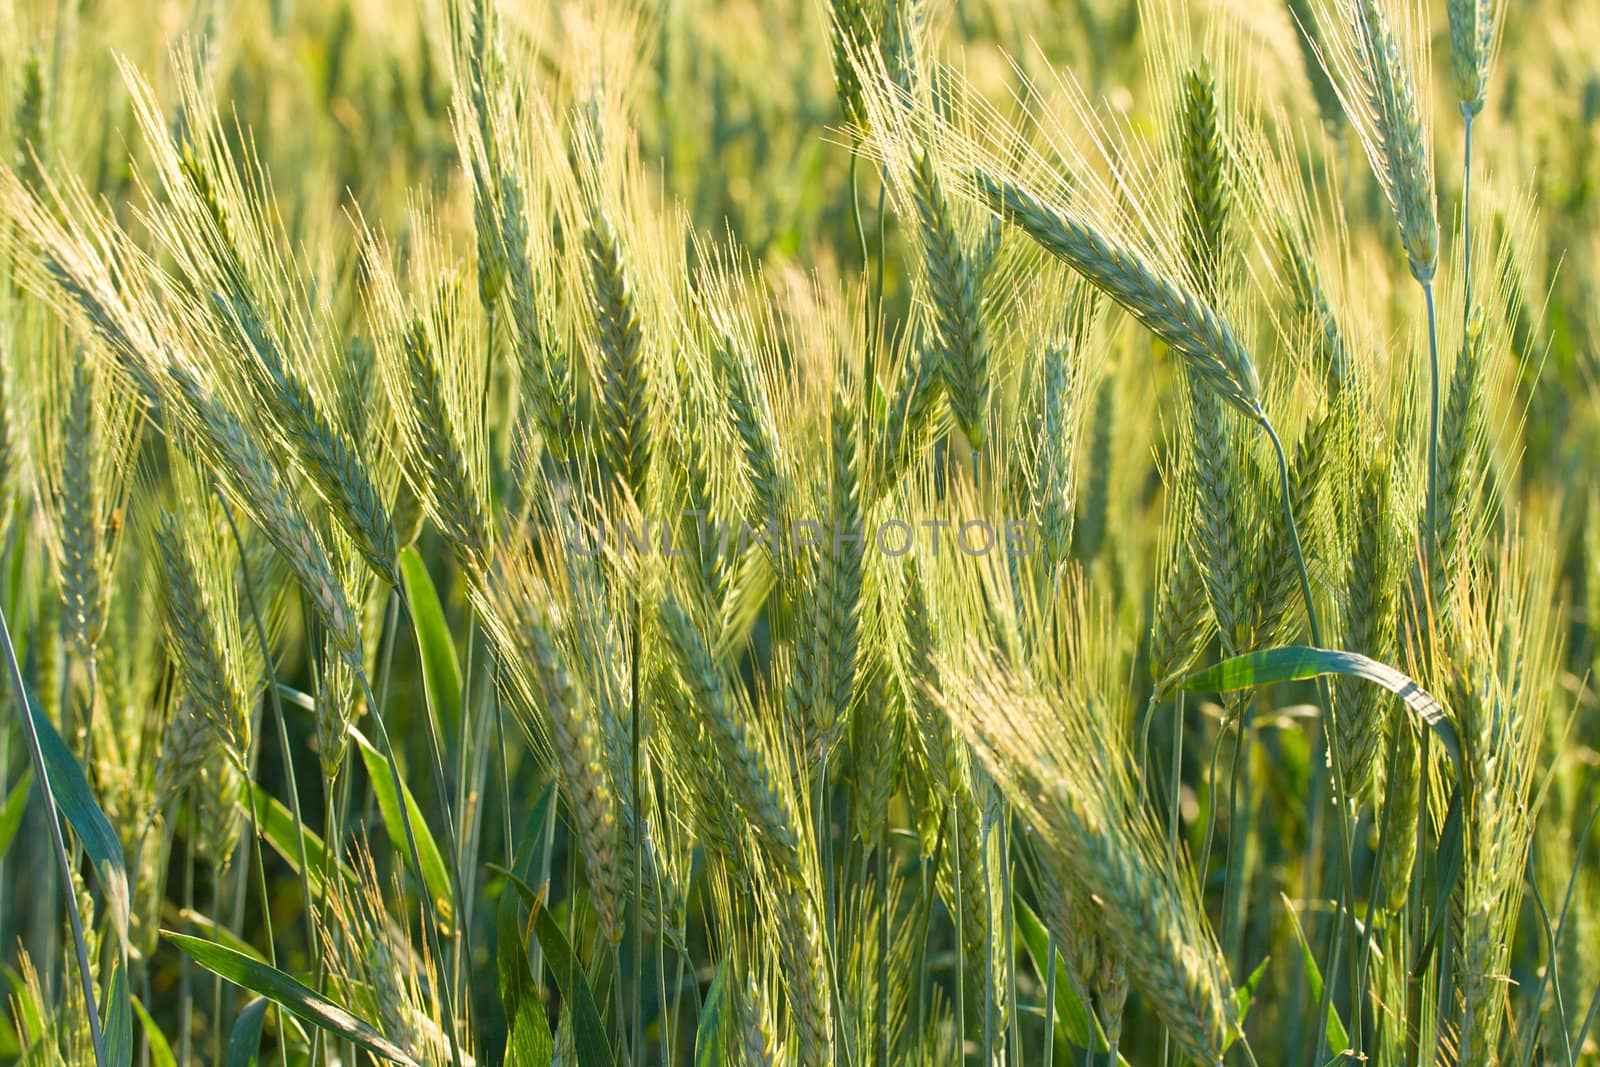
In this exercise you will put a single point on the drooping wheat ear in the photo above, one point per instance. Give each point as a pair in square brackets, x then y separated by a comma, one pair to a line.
[546, 377]
[256, 484]
[438, 450]
[1207, 202]
[960, 344]
[1092, 525]
[1402, 795]
[1396, 138]
[1460, 442]
[1371, 598]
[1164, 305]
[745, 761]
[1054, 764]
[201, 653]
[1472, 30]
[1182, 622]
[78, 513]
[29, 121]
[1276, 587]
[331, 459]
[624, 378]
[580, 751]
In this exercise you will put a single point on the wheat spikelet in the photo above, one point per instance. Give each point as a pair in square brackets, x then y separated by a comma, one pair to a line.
[1473, 24]
[624, 376]
[546, 375]
[1181, 622]
[28, 121]
[188, 744]
[1379, 90]
[440, 452]
[1053, 490]
[1460, 442]
[205, 658]
[79, 535]
[962, 351]
[1311, 51]
[1402, 795]
[850, 33]
[1203, 155]
[576, 738]
[875, 746]
[1370, 607]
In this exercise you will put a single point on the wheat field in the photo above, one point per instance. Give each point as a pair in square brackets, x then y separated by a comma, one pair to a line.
[830, 533]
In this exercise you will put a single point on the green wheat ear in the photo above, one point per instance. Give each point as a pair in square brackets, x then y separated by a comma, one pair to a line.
[1167, 307]
[962, 349]
[624, 377]
[1399, 143]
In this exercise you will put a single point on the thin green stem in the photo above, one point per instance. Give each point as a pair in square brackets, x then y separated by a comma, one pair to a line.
[635, 741]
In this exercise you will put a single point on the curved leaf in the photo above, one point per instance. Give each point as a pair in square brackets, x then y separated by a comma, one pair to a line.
[75, 800]
[160, 1049]
[289, 994]
[1337, 1035]
[588, 1028]
[710, 1038]
[244, 1043]
[1294, 663]
[435, 876]
[1072, 1018]
[528, 1039]
[277, 825]
[441, 671]
[119, 1019]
